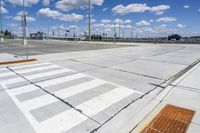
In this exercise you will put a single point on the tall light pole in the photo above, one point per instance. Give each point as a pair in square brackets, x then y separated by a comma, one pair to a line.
[114, 33]
[89, 18]
[119, 29]
[1, 34]
[24, 23]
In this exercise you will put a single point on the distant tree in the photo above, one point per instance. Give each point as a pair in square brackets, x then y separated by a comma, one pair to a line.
[100, 37]
[7, 33]
[174, 37]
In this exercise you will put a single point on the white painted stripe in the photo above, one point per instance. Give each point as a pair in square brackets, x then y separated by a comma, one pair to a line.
[32, 65]
[70, 118]
[9, 73]
[62, 122]
[60, 80]
[63, 94]
[104, 101]
[11, 81]
[46, 74]
[23, 89]
[3, 70]
[73, 90]
[36, 69]
[39, 102]
[31, 119]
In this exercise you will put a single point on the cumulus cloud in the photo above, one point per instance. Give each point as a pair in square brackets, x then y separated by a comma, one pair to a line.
[117, 21]
[18, 17]
[28, 3]
[106, 21]
[186, 7]
[3, 10]
[139, 8]
[46, 2]
[67, 5]
[105, 9]
[59, 16]
[143, 23]
[166, 19]
[181, 26]
[28, 19]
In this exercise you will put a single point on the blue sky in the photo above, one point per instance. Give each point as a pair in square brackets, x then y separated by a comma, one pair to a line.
[141, 17]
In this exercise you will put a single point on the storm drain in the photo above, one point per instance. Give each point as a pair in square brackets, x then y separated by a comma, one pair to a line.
[171, 119]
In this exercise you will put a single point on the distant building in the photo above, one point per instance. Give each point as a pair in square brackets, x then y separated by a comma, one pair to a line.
[38, 36]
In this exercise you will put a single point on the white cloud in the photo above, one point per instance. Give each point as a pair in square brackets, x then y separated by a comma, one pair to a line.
[143, 23]
[93, 20]
[160, 8]
[28, 19]
[139, 8]
[166, 19]
[199, 9]
[46, 2]
[67, 5]
[117, 21]
[181, 26]
[3, 10]
[28, 3]
[151, 20]
[59, 16]
[186, 7]
[105, 9]
[106, 21]
[18, 17]
[159, 13]
[127, 21]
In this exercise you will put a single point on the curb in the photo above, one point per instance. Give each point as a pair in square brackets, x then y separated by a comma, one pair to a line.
[17, 62]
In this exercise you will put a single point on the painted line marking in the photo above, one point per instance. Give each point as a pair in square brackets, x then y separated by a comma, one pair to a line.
[36, 69]
[63, 94]
[60, 80]
[46, 74]
[104, 101]
[69, 119]
[23, 89]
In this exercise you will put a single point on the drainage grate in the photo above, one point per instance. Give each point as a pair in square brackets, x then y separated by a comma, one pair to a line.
[171, 119]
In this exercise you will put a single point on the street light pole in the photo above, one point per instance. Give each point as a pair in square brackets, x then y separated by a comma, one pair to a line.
[89, 16]
[1, 34]
[24, 28]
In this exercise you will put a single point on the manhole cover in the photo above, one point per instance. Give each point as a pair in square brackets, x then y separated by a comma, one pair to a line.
[171, 119]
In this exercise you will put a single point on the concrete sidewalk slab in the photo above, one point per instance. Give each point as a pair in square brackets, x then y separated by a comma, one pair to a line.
[184, 93]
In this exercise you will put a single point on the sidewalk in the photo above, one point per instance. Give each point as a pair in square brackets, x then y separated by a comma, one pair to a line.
[184, 92]
[7, 59]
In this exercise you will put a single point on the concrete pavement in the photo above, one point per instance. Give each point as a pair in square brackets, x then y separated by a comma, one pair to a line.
[110, 90]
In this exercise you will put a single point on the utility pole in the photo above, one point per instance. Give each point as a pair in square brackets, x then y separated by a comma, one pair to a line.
[89, 18]
[1, 34]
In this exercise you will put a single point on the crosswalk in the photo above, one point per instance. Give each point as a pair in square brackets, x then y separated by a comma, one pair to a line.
[56, 99]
